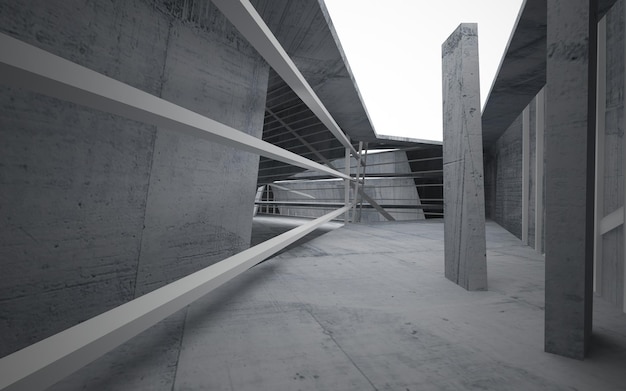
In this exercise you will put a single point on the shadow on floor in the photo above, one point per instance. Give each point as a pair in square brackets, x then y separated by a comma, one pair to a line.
[265, 227]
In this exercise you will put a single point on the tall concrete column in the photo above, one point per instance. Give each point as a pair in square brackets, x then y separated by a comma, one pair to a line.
[569, 173]
[463, 191]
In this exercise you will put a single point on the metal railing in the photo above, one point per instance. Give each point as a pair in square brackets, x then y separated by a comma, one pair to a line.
[387, 178]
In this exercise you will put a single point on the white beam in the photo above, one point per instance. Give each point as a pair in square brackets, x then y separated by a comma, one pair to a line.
[42, 364]
[23, 65]
[611, 221]
[321, 157]
[291, 191]
[371, 201]
[250, 24]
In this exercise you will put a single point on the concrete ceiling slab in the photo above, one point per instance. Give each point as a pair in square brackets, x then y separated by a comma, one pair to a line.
[522, 72]
[305, 30]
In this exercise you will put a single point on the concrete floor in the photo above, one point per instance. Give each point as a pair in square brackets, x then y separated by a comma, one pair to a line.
[265, 227]
[367, 307]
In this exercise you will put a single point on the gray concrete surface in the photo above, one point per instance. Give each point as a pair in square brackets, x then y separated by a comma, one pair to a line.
[503, 186]
[611, 270]
[193, 212]
[569, 207]
[532, 175]
[503, 179]
[386, 191]
[367, 307]
[522, 71]
[265, 227]
[463, 177]
[305, 31]
[97, 209]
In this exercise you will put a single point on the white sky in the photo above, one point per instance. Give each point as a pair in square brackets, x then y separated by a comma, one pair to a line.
[394, 50]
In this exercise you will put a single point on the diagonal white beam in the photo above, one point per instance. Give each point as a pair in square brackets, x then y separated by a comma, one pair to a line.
[250, 24]
[329, 164]
[42, 364]
[291, 191]
[611, 221]
[299, 138]
[23, 65]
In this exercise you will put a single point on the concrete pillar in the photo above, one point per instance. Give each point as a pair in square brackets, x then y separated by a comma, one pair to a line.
[463, 192]
[569, 171]
[525, 172]
[600, 136]
[540, 125]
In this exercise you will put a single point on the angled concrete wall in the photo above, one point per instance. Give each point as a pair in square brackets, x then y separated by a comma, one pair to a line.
[463, 191]
[97, 209]
[387, 190]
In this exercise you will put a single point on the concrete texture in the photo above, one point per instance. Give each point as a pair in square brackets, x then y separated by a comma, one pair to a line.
[368, 307]
[380, 186]
[429, 159]
[569, 206]
[522, 72]
[611, 272]
[503, 179]
[193, 182]
[532, 170]
[74, 180]
[97, 209]
[267, 227]
[146, 363]
[306, 32]
[463, 191]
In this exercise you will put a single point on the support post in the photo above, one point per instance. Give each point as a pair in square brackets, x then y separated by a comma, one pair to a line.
[464, 199]
[570, 167]
[624, 205]
[357, 176]
[363, 188]
[540, 123]
[525, 173]
[346, 195]
[600, 127]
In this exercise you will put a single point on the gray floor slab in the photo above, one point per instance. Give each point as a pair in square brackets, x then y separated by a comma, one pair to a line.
[367, 307]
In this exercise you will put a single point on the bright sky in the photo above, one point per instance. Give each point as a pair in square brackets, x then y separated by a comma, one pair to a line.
[394, 50]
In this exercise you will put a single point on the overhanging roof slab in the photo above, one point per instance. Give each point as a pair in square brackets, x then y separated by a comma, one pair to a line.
[522, 71]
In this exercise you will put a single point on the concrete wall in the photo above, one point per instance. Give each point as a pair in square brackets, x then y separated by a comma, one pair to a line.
[610, 284]
[97, 209]
[503, 165]
[503, 179]
[532, 170]
[388, 191]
